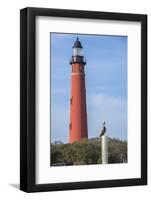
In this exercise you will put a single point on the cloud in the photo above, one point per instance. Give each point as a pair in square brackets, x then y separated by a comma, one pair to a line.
[59, 123]
[111, 109]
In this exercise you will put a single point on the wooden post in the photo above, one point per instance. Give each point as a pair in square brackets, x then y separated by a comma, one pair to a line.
[104, 140]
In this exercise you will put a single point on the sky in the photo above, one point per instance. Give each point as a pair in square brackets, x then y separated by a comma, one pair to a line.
[106, 84]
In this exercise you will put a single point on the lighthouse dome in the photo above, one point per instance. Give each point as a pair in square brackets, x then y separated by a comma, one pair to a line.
[77, 44]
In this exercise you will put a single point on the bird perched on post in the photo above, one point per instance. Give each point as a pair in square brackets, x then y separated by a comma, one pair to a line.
[103, 130]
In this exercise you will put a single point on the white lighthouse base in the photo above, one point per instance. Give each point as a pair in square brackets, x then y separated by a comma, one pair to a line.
[104, 140]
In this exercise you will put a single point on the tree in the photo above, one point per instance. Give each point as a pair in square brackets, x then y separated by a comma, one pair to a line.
[87, 151]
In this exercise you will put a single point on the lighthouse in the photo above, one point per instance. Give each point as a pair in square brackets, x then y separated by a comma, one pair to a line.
[78, 111]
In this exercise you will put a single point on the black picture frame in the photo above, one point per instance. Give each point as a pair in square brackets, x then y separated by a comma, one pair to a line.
[28, 99]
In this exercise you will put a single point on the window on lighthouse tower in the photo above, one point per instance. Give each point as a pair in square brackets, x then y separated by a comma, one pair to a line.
[77, 51]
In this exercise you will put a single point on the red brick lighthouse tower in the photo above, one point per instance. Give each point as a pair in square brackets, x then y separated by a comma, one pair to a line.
[78, 112]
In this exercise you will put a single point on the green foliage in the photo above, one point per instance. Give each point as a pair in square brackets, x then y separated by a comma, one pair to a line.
[117, 151]
[87, 151]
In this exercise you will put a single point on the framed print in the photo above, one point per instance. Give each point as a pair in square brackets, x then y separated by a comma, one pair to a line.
[83, 99]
